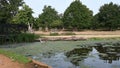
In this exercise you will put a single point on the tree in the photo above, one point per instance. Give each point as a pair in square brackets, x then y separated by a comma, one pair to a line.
[8, 9]
[108, 16]
[94, 24]
[48, 16]
[36, 24]
[77, 16]
[24, 16]
[57, 24]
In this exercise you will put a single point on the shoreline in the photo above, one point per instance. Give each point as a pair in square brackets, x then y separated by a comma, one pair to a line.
[76, 37]
[33, 64]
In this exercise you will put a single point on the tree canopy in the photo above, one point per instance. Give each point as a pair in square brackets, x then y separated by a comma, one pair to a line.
[24, 15]
[8, 9]
[108, 16]
[77, 16]
[48, 16]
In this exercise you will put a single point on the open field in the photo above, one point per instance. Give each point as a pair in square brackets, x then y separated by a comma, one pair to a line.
[85, 36]
[82, 34]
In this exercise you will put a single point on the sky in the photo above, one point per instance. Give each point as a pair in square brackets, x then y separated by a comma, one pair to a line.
[61, 5]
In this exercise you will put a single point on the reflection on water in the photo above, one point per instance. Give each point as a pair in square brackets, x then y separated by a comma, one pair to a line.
[57, 61]
[109, 54]
[89, 57]
[78, 54]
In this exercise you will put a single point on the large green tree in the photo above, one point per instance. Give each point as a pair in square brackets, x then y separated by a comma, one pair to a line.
[108, 17]
[95, 25]
[24, 16]
[48, 17]
[8, 9]
[77, 16]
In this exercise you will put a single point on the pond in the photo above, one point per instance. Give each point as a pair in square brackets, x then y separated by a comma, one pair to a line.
[93, 57]
[73, 54]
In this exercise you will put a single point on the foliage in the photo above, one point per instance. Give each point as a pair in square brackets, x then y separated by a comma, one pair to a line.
[48, 16]
[15, 57]
[94, 24]
[57, 24]
[24, 15]
[6, 29]
[17, 38]
[108, 17]
[36, 24]
[26, 37]
[8, 9]
[77, 16]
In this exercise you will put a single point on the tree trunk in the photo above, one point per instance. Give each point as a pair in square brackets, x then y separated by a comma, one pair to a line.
[46, 29]
[29, 28]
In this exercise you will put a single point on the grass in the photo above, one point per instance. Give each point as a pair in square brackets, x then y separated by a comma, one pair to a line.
[112, 38]
[96, 39]
[62, 34]
[15, 57]
[54, 34]
[68, 33]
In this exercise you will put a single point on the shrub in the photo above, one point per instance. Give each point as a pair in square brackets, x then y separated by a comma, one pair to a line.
[17, 38]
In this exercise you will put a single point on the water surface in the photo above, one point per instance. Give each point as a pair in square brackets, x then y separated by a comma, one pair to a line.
[72, 54]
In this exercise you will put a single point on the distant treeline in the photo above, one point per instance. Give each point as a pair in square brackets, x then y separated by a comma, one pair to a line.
[76, 17]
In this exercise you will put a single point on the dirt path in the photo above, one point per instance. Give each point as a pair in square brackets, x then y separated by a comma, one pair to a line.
[6, 62]
[83, 34]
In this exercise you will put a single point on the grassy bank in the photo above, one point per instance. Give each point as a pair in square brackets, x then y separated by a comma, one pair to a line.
[107, 38]
[15, 57]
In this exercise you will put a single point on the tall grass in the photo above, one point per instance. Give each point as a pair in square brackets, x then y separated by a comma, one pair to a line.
[17, 38]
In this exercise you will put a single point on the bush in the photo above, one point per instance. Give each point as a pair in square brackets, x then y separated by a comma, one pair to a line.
[18, 38]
